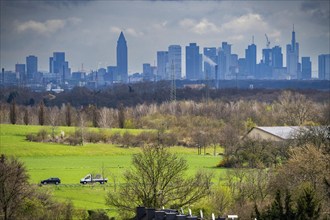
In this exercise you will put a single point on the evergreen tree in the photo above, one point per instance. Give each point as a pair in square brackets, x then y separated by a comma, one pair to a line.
[68, 116]
[13, 112]
[26, 118]
[41, 115]
[121, 116]
[308, 207]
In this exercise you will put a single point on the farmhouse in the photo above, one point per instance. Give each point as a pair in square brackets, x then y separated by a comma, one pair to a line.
[278, 133]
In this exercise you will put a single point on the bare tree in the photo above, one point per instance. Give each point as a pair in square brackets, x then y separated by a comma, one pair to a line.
[13, 185]
[296, 108]
[104, 120]
[157, 179]
[53, 114]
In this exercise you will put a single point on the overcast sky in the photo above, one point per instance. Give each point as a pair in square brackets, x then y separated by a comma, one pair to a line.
[87, 31]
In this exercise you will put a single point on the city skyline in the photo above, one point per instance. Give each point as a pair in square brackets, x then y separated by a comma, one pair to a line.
[42, 27]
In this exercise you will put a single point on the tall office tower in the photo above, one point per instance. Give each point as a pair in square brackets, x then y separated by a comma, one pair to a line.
[174, 62]
[292, 57]
[192, 62]
[306, 68]
[162, 60]
[147, 72]
[224, 60]
[277, 57]
[20, 72]
[59, 67]
[241, 68]
[251, 60]
[233, 66]
[122, 63]
[31, 67]
[264, 69]
[210, 61]
[324, 66]
[221, 62]
[267, 56]
[111, 74]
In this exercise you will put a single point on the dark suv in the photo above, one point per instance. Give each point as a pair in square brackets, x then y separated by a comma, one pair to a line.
[52, 180]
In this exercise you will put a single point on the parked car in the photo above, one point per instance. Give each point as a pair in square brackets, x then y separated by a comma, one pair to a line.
[89, 178]
[52, 180]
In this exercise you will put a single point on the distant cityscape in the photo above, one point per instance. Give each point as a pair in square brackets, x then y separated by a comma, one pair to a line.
[213, 64]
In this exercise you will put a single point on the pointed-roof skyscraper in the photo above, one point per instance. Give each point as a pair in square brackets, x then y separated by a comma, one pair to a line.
[122, 64]
[292, 58]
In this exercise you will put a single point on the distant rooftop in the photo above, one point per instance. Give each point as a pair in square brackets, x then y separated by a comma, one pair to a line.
[284, 132]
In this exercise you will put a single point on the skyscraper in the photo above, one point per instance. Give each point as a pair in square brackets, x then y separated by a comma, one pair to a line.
[122, 63]
[324, 66]
[277, 57]
[292, 57]
[251, 60]
[174, 61]
[210, 59]
[59, 67]
[147, 72]
[192, 62]
[20, 72]
[31, 66]
[162, 60]
[306, 68]
[224, 61]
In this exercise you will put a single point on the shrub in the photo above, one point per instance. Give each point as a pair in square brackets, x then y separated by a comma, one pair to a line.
[227, 162]
[41, 136]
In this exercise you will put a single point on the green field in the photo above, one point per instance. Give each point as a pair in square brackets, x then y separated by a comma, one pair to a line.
[71, 163]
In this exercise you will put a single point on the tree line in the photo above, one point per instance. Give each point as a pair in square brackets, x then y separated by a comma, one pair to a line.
[268, 180]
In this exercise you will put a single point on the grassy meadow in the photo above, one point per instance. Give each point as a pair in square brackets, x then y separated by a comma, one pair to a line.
[71, 163]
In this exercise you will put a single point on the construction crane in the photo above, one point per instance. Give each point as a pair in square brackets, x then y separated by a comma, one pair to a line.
[267, 41]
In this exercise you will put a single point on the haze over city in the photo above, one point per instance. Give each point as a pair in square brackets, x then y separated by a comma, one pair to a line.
[87, 31]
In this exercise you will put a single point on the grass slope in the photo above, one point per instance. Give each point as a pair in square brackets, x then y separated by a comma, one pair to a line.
[71, 163]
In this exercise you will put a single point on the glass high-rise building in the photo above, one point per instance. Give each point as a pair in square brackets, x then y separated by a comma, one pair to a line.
[306, 68]
[251, 60]
[210, 59]
[277, 57]
[20, 72]
[292, 58]
[162, 60]
[324, 66]
[192, 62]
[224, 61]
[122, 59]
[59, 67]
[174, 62]
[31, 66]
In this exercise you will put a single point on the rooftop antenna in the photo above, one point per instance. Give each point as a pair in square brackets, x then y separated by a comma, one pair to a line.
[293, 27]
[252, 39]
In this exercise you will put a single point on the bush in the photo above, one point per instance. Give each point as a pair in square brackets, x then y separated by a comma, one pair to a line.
[227, 162]
[74, 140]
[41, 136]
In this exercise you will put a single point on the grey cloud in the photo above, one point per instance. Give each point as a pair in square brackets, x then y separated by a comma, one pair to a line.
[318, 10]
[39, 3]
